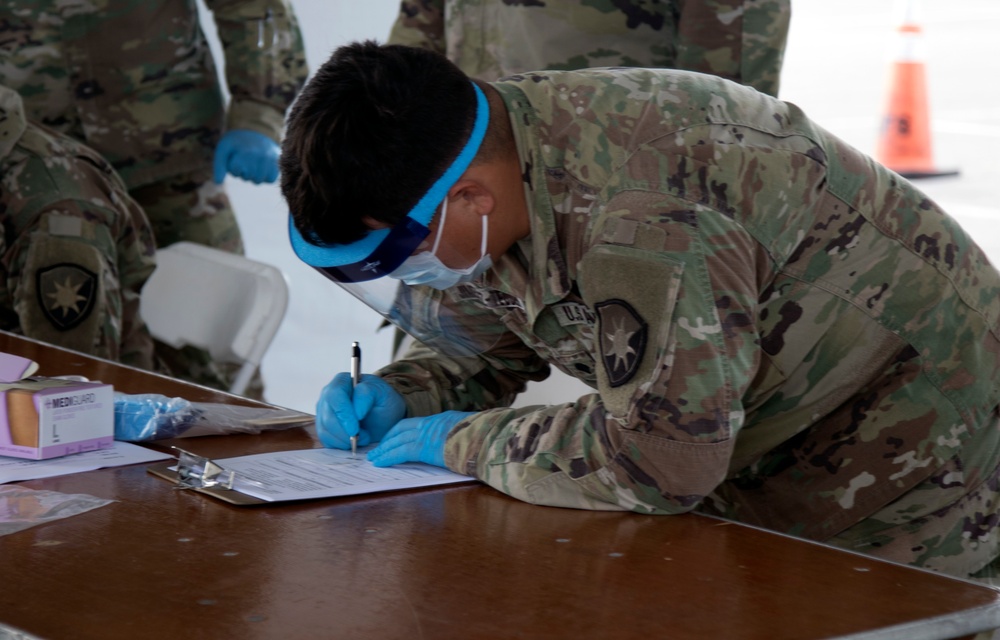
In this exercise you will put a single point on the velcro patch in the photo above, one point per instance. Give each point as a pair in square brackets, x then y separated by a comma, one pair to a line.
[66, 294]
[622, 335]
[491, 298]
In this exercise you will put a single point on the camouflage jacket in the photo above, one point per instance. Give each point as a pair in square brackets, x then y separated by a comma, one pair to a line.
[777, 329]
[75, 248]
[739, 40]
[135, 79]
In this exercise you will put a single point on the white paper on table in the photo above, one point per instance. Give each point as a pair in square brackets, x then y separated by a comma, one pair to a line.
[326, 473]
[118, 455]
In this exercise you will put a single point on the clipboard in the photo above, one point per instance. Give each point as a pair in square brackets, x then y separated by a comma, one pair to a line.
[286, 476]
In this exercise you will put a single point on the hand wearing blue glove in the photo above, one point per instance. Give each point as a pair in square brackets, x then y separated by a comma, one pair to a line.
[246, 154]
[368, 411]
[417, 440]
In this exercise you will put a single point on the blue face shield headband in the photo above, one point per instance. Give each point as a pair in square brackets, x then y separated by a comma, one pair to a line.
[381, 251]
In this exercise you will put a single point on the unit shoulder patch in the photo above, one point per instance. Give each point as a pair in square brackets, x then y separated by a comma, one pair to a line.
[66, 293]
[623, 334]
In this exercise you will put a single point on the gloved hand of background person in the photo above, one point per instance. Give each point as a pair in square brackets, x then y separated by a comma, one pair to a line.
[368, 411]
[417, 440]
[246, 154]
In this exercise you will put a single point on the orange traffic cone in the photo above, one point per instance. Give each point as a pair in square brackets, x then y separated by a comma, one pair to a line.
[905, 140]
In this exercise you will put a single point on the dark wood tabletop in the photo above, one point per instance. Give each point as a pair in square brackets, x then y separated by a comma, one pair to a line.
[457, 562]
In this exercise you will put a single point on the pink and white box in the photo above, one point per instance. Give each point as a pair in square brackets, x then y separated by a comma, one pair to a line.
[50, 417]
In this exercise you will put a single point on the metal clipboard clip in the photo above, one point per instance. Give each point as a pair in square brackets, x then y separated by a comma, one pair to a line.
[198, 472]
[205, 475]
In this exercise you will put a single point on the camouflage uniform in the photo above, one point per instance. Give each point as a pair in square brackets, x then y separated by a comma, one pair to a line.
[778, 330]
[75, 249]
[739, 40]
[135, 80]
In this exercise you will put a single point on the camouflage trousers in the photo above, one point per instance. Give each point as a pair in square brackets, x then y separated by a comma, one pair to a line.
[191, 207]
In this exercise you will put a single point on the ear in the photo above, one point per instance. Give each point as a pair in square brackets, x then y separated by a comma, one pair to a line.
[372, 223]
[472, 196]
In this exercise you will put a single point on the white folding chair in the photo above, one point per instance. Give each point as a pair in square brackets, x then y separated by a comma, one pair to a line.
[227, 304]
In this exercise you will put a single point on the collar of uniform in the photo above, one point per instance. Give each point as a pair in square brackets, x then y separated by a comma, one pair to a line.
[12, 123]
[548, 282]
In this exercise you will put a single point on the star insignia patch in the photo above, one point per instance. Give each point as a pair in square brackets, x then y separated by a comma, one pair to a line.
[66, 294]
[622, 335]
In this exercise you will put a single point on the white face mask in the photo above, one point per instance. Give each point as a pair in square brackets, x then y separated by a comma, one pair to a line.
[427, 269]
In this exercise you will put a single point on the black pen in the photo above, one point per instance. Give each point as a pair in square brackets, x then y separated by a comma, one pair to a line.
[355, 379]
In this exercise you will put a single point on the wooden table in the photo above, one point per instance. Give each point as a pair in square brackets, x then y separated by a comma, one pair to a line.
[457, 562]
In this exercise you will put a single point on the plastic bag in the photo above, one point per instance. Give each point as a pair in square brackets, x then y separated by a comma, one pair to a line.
[152, 416]
[21, 507]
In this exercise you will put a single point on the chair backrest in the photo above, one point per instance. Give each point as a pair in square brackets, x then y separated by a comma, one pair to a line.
[224, 303]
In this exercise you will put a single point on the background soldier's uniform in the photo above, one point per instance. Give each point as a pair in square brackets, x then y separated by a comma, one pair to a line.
[778, 330]
[741, 40]
[75, 249]
[135, 80]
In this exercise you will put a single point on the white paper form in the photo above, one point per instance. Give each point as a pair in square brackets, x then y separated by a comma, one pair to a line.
[326, 473]
[118, 455]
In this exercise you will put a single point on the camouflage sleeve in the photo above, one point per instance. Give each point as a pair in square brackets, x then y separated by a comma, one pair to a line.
[420, 23]
[431, 382]
[676, 352]
[74, 276]
[265, 61]
[77, 252]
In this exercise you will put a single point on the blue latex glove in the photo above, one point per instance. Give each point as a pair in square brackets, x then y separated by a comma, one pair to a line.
[417, 440]
[368, 411]
[246, 154]
[151, 416]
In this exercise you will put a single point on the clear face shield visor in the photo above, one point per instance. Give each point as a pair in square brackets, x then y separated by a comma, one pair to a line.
[363, 268]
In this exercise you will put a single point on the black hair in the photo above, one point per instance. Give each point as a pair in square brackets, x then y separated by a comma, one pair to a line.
[369, 134]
